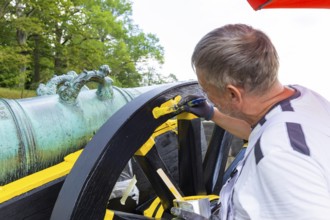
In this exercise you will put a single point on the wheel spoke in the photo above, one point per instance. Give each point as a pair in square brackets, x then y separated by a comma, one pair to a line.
[211, 162]
[191, 178]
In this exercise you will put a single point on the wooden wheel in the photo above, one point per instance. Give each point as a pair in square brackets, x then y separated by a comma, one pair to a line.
[85, 192]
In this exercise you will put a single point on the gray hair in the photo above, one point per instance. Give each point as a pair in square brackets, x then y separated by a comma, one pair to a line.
[237, 54]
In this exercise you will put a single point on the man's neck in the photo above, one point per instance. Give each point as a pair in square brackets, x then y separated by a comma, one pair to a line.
[260, 105]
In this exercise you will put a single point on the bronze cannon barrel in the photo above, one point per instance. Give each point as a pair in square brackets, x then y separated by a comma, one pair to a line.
[38, 132]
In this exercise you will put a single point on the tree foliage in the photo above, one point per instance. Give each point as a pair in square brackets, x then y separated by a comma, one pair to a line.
[40, 38]
[151, 77]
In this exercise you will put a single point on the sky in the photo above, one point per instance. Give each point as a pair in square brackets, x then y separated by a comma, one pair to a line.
[301, 36]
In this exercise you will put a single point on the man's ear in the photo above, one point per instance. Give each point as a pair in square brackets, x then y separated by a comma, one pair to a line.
[235, 94]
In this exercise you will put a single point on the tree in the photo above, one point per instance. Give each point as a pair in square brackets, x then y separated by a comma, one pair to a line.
[40, 38]
[14, 55]
[151, 77]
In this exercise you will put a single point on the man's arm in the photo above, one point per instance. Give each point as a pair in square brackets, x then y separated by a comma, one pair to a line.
[237, 127]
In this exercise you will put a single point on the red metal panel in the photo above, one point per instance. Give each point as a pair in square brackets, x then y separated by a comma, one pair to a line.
[262, 4]
[258, 4]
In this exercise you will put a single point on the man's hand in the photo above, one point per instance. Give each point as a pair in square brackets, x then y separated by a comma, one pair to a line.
[203, 109]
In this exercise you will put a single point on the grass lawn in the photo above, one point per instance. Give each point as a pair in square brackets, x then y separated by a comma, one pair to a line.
[16, 93]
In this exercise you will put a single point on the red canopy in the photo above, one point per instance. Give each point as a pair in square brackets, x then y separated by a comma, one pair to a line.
[261, 4]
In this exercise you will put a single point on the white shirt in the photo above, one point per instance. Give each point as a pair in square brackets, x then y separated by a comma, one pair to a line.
[286, 171]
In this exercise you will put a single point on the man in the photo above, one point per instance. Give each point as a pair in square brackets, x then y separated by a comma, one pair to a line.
[285, 173]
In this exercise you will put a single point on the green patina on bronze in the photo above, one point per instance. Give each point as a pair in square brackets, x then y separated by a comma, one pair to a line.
[38, 132]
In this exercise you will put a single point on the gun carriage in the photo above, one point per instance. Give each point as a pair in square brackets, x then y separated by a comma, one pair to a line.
[65, 151]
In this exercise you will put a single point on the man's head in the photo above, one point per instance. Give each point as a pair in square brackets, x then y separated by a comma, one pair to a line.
[233, 58]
